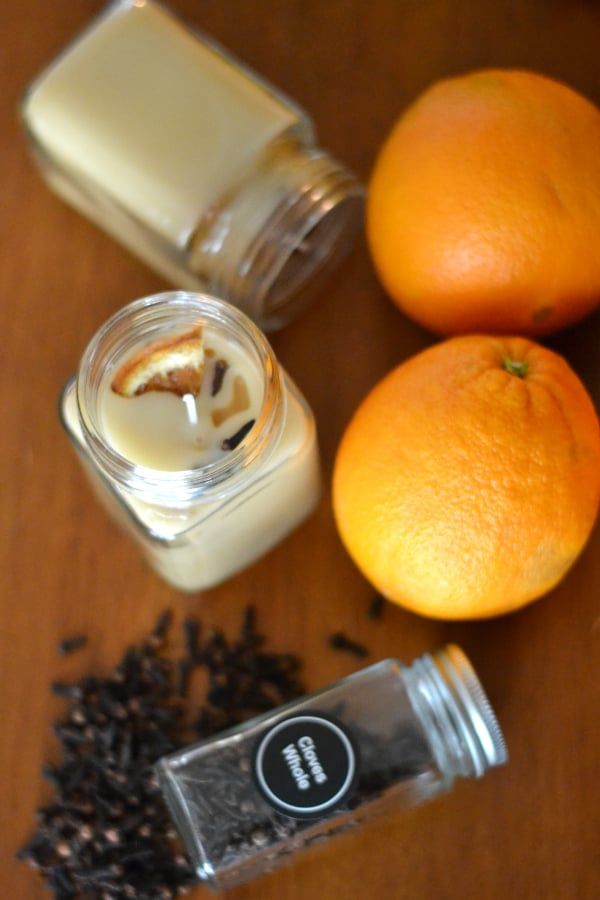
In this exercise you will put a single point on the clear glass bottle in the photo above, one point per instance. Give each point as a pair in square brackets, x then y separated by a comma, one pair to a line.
[199, 525]
[387, 736]
[192, 161]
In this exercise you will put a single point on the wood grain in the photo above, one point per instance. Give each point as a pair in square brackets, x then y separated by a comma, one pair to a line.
[529, 831]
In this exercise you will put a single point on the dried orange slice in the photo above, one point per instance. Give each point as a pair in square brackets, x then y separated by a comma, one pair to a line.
[175, 365]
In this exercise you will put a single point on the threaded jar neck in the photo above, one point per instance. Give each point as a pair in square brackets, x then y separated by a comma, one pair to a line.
[142, 322]
[285, 226]
[466, 735]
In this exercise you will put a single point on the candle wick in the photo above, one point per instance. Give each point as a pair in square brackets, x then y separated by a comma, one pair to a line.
[190, 408]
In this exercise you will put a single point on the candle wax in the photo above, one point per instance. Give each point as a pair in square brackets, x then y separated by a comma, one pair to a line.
[161, 430]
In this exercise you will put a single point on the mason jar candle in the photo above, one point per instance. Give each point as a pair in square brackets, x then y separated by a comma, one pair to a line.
[195, 439]
[389, 736]
[192, 161]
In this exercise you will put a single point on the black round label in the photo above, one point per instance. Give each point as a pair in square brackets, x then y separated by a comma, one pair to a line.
[305, 765]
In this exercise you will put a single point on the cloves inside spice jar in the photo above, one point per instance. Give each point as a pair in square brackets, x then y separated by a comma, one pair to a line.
[389, 735]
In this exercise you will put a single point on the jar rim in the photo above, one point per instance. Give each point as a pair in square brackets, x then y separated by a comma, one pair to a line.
[146, 316]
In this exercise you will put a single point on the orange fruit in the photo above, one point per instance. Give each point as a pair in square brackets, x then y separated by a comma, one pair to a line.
[468, 480]
[484, 206]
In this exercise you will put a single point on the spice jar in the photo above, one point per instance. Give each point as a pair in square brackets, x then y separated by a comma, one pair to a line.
[208, 483]
[192, 161]
[387, 736]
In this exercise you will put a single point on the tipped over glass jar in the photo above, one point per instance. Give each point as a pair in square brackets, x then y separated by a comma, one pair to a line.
[195, 439]
[388, 736]
[193, 162]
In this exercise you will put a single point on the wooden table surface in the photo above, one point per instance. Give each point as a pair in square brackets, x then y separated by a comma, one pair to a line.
[530, 830]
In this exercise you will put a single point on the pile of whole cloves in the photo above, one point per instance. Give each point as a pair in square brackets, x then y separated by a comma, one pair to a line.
[106, 833]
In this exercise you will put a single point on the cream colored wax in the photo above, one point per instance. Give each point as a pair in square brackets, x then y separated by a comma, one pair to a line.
[161, 430]
[154, 118]
[200, 545]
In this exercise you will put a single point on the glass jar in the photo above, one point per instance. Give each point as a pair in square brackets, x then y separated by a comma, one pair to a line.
[192, 161]
[199, 525]
[387, 736]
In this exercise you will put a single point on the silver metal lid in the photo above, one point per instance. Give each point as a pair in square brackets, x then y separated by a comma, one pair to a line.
[480, 728]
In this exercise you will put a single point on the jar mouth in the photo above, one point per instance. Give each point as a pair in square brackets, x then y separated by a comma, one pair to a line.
[303, 243]
[488, 743]
[272, 243]
[473, 734]
[143, 321]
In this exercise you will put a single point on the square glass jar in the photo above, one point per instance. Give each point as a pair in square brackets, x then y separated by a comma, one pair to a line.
[209, 174]
[198, 527]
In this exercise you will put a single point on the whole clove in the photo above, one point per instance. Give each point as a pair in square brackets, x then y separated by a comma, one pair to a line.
[221, 367]
[191, 631]
[184, 671]
[339, 641]
[106, 833]
[67, 691]
[376, 607]
[232, 442]
[159, 632]
[72, 644]
[249, 623]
